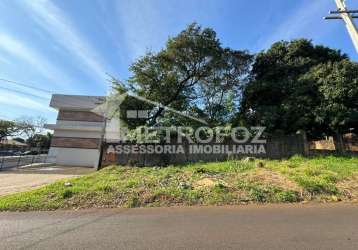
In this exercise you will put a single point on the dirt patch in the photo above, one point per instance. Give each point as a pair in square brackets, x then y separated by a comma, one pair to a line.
[205, 183]
[271, 178]
[349, 188]
[209, 183]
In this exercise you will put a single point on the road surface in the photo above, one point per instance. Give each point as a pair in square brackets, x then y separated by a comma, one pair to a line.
[23, 179]
[244, 227]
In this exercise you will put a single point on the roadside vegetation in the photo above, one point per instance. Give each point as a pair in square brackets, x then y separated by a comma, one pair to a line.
[322, 179]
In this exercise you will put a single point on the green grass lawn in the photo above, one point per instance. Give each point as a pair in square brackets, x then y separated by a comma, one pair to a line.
[232, 182]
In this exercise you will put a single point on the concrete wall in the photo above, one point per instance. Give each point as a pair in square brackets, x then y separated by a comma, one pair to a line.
[78, 125]
[77, 134]
[74, 156]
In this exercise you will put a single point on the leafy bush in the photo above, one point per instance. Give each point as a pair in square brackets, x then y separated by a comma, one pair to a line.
[317, 185]
[259, 194]
[288, 196]
[67, 194]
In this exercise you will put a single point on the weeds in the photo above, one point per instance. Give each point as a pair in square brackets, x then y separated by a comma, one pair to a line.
[227, 182]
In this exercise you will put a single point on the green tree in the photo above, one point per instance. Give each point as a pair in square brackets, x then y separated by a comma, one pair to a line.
[40, 141]
[279, 96]
[8, 128]
[193, 74]
[27, 126]
[337, 84]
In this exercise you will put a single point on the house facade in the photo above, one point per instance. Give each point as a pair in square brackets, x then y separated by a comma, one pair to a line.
[78, 130]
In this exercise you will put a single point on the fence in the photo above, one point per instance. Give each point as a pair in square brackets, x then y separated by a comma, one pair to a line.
[327, 145]
[275, 148]
[10, 158]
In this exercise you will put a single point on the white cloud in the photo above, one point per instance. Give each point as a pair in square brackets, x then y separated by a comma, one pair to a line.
[58, 25]
[18, 49]
[22, 89]
[10, 99]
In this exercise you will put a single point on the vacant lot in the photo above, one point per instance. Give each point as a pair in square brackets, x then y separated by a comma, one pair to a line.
[231, 182]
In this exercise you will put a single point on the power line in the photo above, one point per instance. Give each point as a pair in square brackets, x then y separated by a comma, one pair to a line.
[24, 93]
[73, 102]
[26, 85]
[35, 88]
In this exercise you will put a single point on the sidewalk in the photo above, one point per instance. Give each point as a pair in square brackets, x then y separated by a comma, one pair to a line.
[24, 179]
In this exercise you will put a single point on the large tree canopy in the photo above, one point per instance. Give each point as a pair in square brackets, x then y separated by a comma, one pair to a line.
[337, 84]
[192, 74]
[292, 85]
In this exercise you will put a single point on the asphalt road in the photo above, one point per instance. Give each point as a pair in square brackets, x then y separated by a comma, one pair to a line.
[244, 227]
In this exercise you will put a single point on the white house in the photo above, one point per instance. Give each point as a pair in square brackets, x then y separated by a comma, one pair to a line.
[78, 130]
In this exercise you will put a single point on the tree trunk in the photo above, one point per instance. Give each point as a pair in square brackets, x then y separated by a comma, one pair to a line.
[338, 143]
[306, 147]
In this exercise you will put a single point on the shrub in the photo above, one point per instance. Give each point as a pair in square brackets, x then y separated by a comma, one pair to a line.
[259, 194]
[132, 201]
[288, 196]
[317, 185]
[67, 194]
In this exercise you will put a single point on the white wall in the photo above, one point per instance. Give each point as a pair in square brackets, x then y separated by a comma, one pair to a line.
[79, 125]
[75, 156]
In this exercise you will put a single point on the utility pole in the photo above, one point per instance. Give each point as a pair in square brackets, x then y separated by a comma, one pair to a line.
[347, 16]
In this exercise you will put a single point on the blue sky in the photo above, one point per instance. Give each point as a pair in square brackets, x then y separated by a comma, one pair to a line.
[67, 46]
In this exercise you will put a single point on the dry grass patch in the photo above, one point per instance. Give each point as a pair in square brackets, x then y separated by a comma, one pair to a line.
[272, 178]
[349, 188]
[205, 183]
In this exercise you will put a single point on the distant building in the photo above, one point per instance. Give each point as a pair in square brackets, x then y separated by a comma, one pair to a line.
[78, 130]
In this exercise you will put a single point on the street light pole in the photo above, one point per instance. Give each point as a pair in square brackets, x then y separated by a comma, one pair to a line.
[347, 17]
